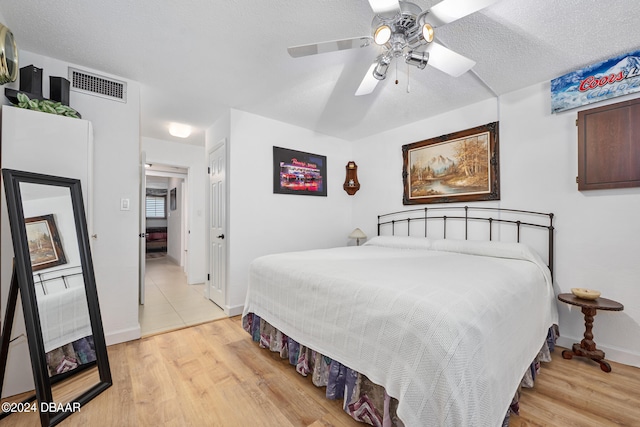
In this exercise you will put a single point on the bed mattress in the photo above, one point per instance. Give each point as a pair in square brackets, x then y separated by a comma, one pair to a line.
[64, 317]
[446, 327]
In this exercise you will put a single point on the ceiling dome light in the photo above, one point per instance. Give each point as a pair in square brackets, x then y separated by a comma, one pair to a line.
[427, 32]
[382, 34]
[179, 130]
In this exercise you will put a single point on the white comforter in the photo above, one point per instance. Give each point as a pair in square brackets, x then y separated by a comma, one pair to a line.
[447, 327]
[64, 317]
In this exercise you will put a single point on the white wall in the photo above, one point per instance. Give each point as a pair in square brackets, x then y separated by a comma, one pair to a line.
[262, 222]
[596, 247]
[595, 231]
[116, 163]
[192, 158]
[379, 160]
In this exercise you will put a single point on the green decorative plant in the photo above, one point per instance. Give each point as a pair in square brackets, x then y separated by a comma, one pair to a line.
[46, 106]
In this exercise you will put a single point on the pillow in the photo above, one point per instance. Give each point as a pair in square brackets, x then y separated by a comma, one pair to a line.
[488, 248]
[494, 249]
[399, 242]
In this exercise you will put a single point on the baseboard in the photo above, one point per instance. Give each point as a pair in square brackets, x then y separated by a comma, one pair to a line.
[611, 353]
[234, 311]
[123, 335]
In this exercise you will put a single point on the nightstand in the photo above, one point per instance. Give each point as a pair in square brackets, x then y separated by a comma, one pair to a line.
[587, 347]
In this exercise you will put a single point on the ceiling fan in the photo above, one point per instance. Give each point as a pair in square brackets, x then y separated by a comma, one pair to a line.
[404, 31]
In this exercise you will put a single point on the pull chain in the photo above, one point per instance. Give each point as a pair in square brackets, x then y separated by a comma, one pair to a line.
[396, 71]
[408, 87]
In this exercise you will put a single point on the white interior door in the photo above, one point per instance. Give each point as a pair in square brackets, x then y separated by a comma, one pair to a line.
[217, 225]
[143, 227]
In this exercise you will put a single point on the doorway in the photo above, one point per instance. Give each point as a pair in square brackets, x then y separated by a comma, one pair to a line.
[169, 302]
[166, 207]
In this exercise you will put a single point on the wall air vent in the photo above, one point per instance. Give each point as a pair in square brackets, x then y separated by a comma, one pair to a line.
[94, 84]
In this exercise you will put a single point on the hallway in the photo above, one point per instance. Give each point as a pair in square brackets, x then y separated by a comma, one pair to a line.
[169, 302]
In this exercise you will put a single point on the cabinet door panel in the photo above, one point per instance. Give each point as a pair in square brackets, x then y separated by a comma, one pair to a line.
[609, 146]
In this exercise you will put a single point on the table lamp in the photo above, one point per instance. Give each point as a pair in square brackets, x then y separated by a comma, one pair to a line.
[357, 234]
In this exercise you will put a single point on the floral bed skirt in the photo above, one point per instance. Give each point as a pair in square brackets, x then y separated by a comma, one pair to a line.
[363, 400]
[71, 356]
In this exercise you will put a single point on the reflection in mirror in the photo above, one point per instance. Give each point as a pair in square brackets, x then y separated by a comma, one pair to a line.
[55, 276]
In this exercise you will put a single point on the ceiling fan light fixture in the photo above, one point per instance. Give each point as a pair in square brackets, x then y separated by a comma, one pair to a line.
[380, 70]
[417, 59]
[427, 32]
[382, 34]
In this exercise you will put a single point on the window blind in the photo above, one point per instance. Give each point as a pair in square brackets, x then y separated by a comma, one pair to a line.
[156, 206]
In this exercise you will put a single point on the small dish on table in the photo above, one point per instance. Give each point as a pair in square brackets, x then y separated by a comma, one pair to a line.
[585, 293]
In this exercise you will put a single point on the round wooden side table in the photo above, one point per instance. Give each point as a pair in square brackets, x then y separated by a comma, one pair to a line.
[587, 347]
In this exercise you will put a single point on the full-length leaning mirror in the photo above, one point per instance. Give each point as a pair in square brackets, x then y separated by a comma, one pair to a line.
[53, 272]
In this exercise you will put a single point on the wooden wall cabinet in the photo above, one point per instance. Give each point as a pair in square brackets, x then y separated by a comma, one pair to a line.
[609, 146]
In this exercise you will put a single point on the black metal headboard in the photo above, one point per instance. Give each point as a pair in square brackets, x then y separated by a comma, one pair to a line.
[60, 275]
[467, 215]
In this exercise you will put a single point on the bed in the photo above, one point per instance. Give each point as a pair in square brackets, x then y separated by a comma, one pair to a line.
[64, 320]
[414, 331]
[156, 239]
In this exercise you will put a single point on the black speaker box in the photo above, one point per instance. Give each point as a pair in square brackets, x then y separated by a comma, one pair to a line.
[31, 80]
[59, 89]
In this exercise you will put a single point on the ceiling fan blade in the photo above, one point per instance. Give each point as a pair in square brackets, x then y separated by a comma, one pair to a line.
[450, 10]
[368, 83]
[386, 8]
[330, 46]
[448, 61]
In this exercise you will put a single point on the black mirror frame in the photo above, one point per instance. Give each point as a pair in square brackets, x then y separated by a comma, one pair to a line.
[24, 275]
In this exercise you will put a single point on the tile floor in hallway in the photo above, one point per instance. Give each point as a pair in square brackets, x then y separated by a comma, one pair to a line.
[169, 302]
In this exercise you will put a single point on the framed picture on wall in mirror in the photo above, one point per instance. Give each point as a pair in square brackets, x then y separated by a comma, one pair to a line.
[172, 199]
[45, 247]
[458, 167]
[297, 172]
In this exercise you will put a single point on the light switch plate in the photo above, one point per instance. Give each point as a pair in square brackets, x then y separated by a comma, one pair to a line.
[124, 204]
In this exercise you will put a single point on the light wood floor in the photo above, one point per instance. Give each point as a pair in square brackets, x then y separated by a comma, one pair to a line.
[214, 375]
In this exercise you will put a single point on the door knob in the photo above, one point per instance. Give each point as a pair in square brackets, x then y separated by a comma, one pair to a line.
[221, 236]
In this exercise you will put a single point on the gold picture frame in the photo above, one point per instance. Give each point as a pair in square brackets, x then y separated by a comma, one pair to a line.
[459, 167]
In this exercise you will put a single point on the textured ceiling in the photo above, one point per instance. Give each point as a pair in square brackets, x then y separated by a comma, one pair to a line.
[196, 58]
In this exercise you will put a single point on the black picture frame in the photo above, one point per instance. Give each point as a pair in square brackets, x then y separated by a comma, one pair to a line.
[298, 172]
[172, 199]
[23, 277]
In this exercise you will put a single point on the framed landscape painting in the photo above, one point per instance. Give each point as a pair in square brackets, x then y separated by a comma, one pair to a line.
[458, 167]
[45, 248]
